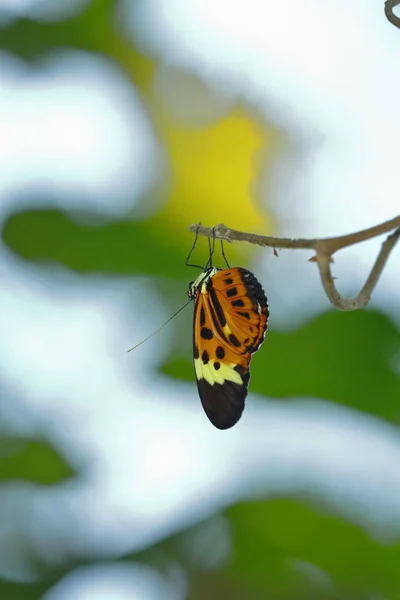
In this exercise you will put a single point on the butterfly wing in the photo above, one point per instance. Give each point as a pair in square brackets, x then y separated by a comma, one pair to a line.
[245, 307]
[230, 320]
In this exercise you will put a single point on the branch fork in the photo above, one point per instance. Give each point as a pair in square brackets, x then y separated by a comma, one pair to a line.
[324, 249]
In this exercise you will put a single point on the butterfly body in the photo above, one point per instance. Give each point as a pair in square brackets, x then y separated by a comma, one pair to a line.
[230, 321]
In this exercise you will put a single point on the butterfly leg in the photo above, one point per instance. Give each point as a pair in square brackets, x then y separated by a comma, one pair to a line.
[223, 254]
[211, 248]
[187, 263]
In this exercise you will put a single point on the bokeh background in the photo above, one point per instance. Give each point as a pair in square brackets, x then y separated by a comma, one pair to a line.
[121, 123]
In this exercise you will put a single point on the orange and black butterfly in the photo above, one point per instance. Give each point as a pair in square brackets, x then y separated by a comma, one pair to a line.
[230, 321]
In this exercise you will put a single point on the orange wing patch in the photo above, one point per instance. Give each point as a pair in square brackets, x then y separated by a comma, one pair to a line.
[230, 321]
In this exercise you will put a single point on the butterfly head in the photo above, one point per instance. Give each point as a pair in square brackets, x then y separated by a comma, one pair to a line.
[201, 281]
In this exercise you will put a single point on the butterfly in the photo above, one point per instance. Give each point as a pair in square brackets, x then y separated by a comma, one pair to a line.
[229, 325]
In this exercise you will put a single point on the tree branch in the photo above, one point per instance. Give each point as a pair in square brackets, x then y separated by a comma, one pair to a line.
[391, 17]
[324, 248]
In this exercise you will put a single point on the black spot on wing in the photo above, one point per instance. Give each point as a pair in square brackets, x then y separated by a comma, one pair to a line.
[244, 314]
[217, 365]
[238, 302]
[215, 321]
[195, 351]
[202, 317]
[231, 292]
[222, 403]
[228, 281]
[233, 340]
[204, 357]
[217, 306]
[206, 333]
[220, 352]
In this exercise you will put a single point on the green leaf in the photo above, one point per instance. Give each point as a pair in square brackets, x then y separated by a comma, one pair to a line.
[31, 460]
[343, 357]
[286, 550]
[90, 29]
[285, 546]
[23, 591]
[123, 247]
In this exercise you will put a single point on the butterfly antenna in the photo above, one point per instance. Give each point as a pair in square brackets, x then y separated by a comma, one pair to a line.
[223, 253]
[163, 325]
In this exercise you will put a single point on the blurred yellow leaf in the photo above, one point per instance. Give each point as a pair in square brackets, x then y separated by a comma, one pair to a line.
[214, 167]
[214, 170]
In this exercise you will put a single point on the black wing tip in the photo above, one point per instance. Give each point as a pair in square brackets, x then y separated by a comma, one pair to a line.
[258, 296]
[223, 403]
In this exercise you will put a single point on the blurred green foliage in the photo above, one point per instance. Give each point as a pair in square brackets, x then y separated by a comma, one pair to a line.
[281, 549]
[288, 549]
[24, 591]
[127, 247]
[31, 460]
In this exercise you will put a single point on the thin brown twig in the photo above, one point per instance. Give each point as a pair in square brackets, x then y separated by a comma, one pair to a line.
[391, 17]
[364, 296]
[324, 248]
